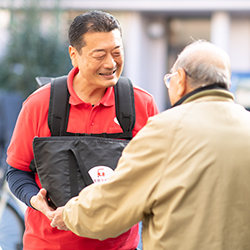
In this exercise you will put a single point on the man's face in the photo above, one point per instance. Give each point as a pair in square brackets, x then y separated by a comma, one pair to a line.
[100, 62]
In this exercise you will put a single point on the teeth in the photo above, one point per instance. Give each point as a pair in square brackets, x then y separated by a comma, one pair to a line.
[108, 74]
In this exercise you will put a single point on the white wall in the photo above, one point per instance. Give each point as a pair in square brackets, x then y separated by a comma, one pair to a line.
[145, 54]
[220, 30]
[240, 44]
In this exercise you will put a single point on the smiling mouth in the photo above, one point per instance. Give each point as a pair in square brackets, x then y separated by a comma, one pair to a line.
[108, 73]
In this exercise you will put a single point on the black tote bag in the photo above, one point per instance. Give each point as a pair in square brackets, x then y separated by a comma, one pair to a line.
[67, 164]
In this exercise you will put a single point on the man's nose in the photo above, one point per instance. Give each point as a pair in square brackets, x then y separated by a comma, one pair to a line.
[109, 62]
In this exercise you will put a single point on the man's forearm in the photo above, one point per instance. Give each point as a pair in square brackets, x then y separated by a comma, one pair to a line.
[22, 184]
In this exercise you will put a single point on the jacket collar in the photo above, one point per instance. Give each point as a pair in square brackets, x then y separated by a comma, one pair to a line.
[203, 91]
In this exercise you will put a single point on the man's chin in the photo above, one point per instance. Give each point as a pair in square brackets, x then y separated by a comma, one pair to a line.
[111, 82]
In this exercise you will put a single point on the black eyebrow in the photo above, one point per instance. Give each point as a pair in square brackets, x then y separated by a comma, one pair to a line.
[117, 47]
[100, 50]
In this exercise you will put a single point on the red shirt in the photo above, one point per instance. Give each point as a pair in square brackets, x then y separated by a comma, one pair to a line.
[83, 118]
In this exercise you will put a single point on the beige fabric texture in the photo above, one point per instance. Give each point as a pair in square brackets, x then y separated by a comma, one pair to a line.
[186, 175]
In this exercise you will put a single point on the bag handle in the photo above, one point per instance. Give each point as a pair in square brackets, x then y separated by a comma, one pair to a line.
[74, 161]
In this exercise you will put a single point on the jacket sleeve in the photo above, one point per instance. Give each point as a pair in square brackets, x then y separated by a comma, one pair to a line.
[107, 210]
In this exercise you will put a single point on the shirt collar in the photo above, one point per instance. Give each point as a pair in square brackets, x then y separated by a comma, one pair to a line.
[197, 93]
[107, 100]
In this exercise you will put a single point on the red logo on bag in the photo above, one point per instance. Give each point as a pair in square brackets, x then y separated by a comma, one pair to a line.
[100, 172]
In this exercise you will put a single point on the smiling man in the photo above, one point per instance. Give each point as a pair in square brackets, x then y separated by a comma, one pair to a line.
[96, 52]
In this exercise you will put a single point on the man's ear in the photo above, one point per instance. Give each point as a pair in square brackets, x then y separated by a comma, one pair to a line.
[72, 54]
[181, 84]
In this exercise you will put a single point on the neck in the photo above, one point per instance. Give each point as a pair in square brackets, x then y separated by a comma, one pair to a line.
[87, 92]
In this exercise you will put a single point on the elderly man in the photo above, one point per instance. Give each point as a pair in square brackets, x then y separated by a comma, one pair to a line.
[186, 173]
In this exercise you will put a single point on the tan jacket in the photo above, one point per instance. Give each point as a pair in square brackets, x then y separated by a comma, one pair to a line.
[186, 175]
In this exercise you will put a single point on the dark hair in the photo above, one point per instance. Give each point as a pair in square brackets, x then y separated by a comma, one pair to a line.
[93, 21]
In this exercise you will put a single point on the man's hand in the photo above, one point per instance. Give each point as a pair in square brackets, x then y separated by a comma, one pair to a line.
[39, 202]
[58, 219]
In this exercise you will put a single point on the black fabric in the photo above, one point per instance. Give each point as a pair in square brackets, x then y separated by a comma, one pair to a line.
[123, 135]
[59, 108]
[22, 184]
[73, 166]
[32, 166]
[125, 110]
[207, 87]
[63, 162]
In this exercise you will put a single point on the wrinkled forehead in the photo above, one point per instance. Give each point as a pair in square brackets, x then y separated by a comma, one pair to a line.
[100, 41]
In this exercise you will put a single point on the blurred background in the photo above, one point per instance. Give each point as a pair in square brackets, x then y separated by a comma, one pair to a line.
[33, 38]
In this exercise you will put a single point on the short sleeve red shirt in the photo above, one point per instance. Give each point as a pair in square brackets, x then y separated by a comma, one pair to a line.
[83, 118]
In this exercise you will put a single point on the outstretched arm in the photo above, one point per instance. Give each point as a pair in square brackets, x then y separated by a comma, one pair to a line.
[109, 209]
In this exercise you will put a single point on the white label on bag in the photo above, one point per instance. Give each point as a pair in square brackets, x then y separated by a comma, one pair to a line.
[100, 173]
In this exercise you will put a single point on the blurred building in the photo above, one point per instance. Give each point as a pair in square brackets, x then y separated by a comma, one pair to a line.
[155, 31]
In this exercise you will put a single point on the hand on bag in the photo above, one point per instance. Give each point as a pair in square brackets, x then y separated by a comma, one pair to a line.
[58, 219]
[40, 203]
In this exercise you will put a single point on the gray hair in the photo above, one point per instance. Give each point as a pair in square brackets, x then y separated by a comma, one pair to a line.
[205, 64]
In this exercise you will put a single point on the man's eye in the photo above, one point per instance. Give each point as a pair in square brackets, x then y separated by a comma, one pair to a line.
[99, 56]
[117, 54]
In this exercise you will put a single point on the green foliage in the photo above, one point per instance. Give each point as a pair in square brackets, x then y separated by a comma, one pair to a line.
[31, 52]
